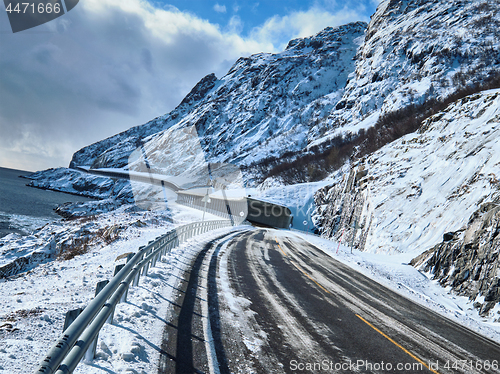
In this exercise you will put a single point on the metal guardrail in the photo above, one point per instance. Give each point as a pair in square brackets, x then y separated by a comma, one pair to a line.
[82, 334]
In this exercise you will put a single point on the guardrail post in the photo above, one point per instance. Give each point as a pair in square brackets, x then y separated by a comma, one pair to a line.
[100, 285]
[90, 353]
[118, 268]
[125, 294]
[136, 278]
[70, 317]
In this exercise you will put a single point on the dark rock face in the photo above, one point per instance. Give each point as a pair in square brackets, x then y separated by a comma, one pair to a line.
[339, 209]
[448, 236]
[469, 260]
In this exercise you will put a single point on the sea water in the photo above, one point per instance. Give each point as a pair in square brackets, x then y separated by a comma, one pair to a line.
[23, 209]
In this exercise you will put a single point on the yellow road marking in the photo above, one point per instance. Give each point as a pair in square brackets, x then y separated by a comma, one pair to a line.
[311, 278]
[396, 344]
[280, 247]
[357, 315]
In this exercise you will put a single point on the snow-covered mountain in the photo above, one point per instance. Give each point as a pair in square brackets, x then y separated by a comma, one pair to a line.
[402, 198]
[265, 104]
[414, 51]
[338, 81]
[409, 193]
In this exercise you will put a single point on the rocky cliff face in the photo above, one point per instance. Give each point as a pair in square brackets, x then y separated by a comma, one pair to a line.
[409, 193]
[468, 260]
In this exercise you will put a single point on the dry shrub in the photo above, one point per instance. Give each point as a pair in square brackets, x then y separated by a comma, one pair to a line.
[22, 313]
[77, 247]
[81, 245]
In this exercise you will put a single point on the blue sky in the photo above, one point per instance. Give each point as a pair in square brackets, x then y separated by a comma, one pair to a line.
[109, 65]
[254, 14]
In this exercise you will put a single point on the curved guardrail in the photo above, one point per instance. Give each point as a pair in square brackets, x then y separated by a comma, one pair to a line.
[76, 340]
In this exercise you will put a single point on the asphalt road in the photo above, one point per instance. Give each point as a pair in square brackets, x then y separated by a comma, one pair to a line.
[266, 301]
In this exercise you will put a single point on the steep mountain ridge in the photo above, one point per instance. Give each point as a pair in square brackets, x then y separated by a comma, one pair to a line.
[265, 104]
[414, 51]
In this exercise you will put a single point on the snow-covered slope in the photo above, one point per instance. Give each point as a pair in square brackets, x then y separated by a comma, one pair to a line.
[263, 106]
[415, 50]
[423, 185]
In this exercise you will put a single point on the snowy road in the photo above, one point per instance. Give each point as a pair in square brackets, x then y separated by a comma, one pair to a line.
[265, 301]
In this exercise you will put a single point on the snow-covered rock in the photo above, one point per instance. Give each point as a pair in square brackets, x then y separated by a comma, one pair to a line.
[422, 185]
[78, 183]
[413, 51]
[468, 260]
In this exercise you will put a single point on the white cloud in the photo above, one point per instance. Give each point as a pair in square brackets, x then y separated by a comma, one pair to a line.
[102, 68]
[109, 65]
[220, 8]
[235, 25]
[298, 24]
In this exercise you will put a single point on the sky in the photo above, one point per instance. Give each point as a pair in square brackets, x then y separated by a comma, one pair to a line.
[108, 65]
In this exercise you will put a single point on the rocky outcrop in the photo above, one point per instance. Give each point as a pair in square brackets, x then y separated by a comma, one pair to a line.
[343, 210]
[468, 260]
